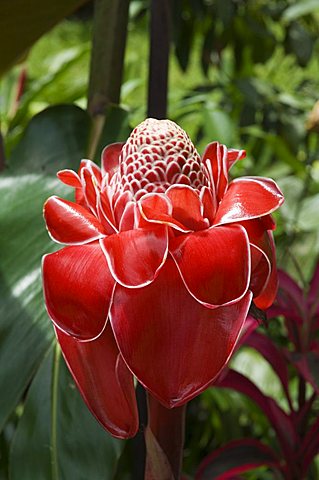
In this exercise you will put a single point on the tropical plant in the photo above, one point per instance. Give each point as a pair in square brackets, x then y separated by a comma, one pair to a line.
[296, 443]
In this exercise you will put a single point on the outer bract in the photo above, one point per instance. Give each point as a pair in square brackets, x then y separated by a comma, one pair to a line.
[162, 261]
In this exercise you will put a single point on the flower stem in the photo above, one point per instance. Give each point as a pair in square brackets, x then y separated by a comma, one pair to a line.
[159, 58]
[168, 428]
[107, 59]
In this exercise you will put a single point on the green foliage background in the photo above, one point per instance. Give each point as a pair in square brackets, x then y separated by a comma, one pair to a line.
[245, 73]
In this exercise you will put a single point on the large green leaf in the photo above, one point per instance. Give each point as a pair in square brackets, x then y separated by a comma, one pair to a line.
[22, 23]
[57, 437]
[55, 139]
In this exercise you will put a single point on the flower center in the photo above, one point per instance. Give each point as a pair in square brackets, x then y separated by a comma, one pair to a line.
[158, 154]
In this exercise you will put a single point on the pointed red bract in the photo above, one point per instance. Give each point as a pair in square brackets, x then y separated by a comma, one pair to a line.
[104, 381]
[105, 212]
[78, 289]
[224, 259]
[110, 158]
[248, 198]
[70, 223]
[267, 296]
[187, 207]
[127, 221]
[209, 202]
[135, 256]
[90, 182]
[70, 178]
[92, 168]
[157, 208]
[216, 159]
[120, 203]
[174, 345]
[234, 155]
[260, 270]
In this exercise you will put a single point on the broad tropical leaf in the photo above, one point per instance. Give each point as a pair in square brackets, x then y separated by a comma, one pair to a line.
[22, 23]
[57, 434]
[55, 138]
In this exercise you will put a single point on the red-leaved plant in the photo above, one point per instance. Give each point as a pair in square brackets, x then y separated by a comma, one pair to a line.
[297, 431]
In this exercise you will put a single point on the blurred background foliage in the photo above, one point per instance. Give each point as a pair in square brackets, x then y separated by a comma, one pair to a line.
[243, 72]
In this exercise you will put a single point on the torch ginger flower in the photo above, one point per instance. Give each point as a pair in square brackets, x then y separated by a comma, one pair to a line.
[163, 259]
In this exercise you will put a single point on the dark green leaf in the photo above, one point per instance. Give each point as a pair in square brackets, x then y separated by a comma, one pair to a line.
[183, 34]
[55, 139]
[57, 437]
[22, 23]
[300, 42]
[31, 450]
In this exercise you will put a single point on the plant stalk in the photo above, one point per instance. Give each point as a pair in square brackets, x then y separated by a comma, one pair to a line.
[107, 60]
[160, 27]
[168, 428]
[138, 442]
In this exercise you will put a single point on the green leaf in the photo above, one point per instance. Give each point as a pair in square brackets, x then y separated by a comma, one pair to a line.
[308, 217]
[300, 42]
[183, 35]
[292, 188]
[57, 437]
[58, 85]
[22, 23]
[253, 365]
[55, 139]
[278, 146]
[299, 9]
[30, 455]
[219, 126]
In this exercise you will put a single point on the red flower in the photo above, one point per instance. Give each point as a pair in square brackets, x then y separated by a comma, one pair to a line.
[164, 257]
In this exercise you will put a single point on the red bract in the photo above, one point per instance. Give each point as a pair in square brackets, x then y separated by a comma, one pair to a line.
[163, 259]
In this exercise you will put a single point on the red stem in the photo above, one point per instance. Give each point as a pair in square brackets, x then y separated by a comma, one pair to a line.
[168, 427]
